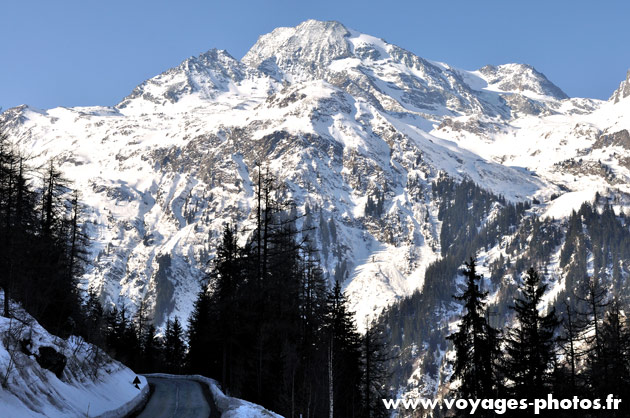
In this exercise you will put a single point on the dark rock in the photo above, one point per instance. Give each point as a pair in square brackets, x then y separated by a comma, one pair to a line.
[25, 346]
[50, 359]
[620, 138]
[164, 289]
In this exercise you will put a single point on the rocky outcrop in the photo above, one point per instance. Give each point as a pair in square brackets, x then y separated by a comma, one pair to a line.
[50, 359]
[623, 91]
[616, 139]
[521, 78]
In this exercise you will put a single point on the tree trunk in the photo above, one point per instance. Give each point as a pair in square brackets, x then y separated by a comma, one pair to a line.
[331, 393]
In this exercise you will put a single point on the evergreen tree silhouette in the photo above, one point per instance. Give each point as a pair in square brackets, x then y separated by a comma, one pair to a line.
[475, 342]
[530, 343]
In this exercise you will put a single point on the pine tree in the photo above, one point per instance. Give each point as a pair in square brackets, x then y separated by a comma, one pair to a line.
[130, 345]
[55, 186]
[344, 355]
[530, 344]
[225, 280]
[306, 387]
[77, 240]
[9, 225]
[614, 359]
[570, 344]
[475, 342]
[121, 336]
[142, 323]
[94, 319]
[112, 337]
[94, 327]
[202, 351]
[375, 356]
[594, 302]
[151, 350]
[174, 347]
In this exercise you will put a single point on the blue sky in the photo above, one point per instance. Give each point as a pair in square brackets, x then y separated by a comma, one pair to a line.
[86, 52]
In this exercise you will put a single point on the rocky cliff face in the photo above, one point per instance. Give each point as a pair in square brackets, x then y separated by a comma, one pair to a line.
[623, 91]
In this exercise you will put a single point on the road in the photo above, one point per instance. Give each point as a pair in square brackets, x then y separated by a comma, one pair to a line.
[176, 398]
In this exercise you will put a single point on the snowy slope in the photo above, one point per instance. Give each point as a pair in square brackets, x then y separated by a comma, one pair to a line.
[338, 116]
[83, 389]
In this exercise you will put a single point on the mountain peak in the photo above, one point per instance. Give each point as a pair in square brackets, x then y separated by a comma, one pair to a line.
[521, 78]
[317, 26]
[623, 90]
[308, 47]
[205, 74]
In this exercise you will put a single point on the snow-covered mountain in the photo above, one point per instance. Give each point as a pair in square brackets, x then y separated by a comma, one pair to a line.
[340, 117]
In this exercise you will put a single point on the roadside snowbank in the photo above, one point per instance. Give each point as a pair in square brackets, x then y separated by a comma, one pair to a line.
[91, 383]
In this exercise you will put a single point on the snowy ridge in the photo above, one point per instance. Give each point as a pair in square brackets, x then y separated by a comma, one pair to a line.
[338, 116]
[206, 75]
